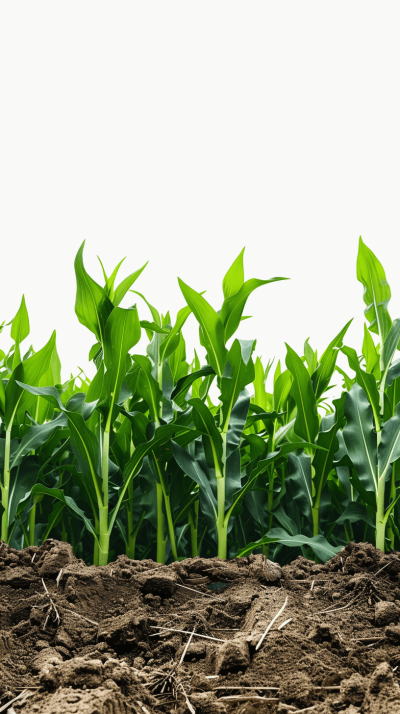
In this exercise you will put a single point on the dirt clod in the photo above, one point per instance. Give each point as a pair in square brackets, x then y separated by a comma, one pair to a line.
[386, 613]
[232, 656]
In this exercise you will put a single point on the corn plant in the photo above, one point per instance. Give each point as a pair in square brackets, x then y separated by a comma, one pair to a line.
[139, 459]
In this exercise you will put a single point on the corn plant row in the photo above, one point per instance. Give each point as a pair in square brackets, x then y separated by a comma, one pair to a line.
[140, 460]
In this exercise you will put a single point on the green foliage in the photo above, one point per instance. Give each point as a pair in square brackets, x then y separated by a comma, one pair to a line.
[141, 460]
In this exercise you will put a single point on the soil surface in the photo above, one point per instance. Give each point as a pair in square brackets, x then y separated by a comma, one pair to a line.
[135, 636]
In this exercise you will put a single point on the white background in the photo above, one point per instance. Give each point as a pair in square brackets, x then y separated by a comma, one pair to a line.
[178, 132]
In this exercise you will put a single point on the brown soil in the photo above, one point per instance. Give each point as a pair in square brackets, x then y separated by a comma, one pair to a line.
[85, 640]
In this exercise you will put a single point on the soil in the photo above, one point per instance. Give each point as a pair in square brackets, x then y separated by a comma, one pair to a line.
[76, 639]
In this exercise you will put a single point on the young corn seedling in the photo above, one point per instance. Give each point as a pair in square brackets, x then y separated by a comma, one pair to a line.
[216, 463]
[372, 432]
[14, 402]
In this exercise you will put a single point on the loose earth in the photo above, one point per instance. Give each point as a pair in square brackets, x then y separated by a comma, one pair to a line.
[201, 635]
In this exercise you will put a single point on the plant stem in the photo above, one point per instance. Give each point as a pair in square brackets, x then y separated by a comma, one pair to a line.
[315, 519]
[265, 548]
[32, 522]
[380, 514]
[104, 535]
[194, 524]
[5, 491]
[130, 548]
[170, 520]
[221, 525]
[132, 538]
[161, 541]
[96, 543]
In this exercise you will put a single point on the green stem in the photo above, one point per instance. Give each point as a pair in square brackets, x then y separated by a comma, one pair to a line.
[132, 538]
[32, 523]
[194, 525]
[104, 534]
[130, 522]
[161, 540]
[170, 520]
[315, 519]
[221, 525]
[5, 490]
[96, 542]
[380, 515]
[271, 478]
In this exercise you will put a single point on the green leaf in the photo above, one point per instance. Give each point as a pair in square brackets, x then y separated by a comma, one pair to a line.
[376, 291]
[233, 306]
[238, 373]
[125, 285]
[234, 278]
[260, 393]
[109, 287]
[318, 544]
[389, 448]
[94, 350]
[161, 436]
[393, 373]
[154, 313]
[92, 305]
[360, 437]
[390, 346]
[354, 513]
[282, 387]
[307, 423]
[366, 381]
[51, 394]
[170, 344]
[322, 376]
[121, 334]
[148, 387]
[193, 469]
[204, 423]
[184, 383]
[311, 357]
[152, 327]
[23, 479]
[348, 382]
[19, 330]
[29, 371]
[86, 448]
[58, 493]
[299, 479]
[95, 391]
[322, 461]
[53, 519]
[37, 435]
[370, 352]
[211, 326]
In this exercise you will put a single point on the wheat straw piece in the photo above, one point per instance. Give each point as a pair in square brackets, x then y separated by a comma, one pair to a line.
[336, 609]
[285, 623]
[53, 607]
[270, 625]
[247, 698]
[187, 646]
[385, 566]
[185, 632]
[25, 693]
[92, 622]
